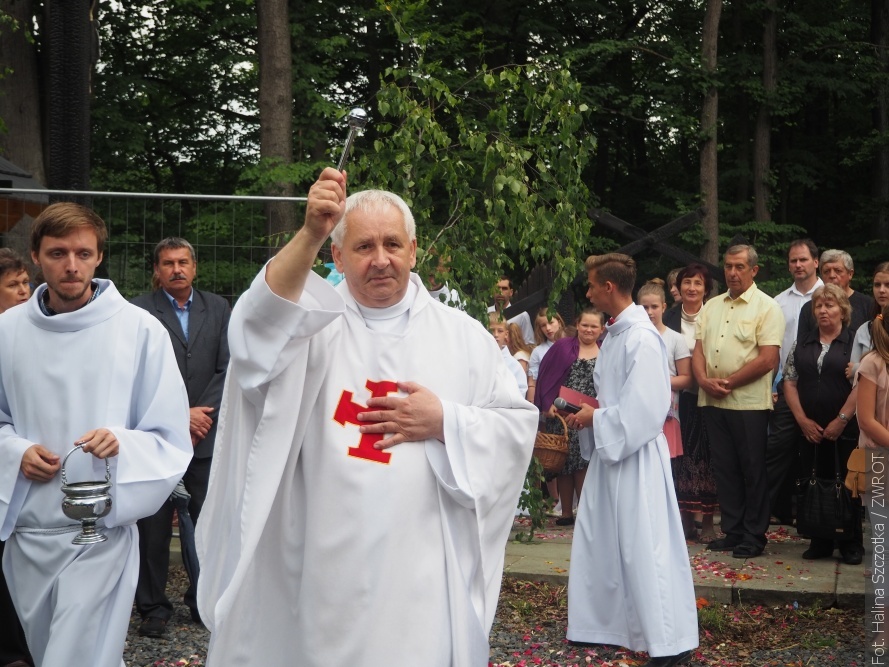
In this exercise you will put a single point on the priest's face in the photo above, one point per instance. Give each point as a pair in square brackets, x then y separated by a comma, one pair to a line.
[69, 264]
[376, 256]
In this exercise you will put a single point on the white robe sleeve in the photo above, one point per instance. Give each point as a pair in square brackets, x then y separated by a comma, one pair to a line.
[155, 447]
[482, 467]
[266, 329]
[621, 429]
[13, 485]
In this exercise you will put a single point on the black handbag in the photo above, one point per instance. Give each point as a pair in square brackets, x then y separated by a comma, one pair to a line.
[824, 506]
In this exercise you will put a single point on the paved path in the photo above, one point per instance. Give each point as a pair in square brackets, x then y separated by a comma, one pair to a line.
[779, 576]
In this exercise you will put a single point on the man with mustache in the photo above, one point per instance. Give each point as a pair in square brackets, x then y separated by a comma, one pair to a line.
[81, 366]
[372, 450]
[197, 322]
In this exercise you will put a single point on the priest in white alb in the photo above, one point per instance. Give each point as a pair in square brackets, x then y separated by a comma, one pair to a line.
[630, 582]
[80, 365]
[371, 452]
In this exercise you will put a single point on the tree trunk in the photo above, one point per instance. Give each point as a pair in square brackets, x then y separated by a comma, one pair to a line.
[709, 117]
[762, 157]
[739, 100]
[880, 37]
[70, 46]
[276, 108]
[22, 142]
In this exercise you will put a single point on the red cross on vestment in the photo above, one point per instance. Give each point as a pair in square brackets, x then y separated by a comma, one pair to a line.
[347, 412]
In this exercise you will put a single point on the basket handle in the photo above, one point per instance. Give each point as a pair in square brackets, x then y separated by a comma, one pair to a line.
[80, 445]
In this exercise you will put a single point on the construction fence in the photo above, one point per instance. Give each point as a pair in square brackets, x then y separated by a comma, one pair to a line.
[229, 233]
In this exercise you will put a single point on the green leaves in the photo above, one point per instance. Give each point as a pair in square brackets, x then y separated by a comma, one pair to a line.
[491, 163]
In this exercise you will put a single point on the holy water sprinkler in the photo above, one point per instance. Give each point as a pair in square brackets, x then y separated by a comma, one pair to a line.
[357, 121]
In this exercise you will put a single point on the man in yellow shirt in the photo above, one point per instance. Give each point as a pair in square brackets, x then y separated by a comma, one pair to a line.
[738, 341]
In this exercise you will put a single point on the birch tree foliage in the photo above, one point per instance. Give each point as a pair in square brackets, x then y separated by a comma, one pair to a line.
[490, 161]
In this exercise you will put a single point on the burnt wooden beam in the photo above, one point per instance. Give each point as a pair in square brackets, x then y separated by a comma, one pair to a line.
[528, 304]
[654, 240]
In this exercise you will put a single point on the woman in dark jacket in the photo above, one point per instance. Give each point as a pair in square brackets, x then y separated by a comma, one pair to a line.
[822, 400]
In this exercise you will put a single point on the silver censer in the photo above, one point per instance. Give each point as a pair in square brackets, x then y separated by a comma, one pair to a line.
[86, 502]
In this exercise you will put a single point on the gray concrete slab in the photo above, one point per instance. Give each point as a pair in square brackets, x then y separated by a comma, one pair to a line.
[779, 576]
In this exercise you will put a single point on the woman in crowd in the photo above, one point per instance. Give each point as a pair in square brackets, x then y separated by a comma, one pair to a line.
[863, 342]
[873, 399]
[570, 362]
[14, 290]
[547, 330]
[695, 487]
[653, 299]
[518, 348]
[822, 400]
[15, 286]
[673, 286]
[873, 387]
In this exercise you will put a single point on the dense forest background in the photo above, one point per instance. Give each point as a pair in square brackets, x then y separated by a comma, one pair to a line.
[503, 123]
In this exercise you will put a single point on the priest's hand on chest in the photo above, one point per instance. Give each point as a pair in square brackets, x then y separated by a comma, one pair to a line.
[39, 464]
[412, 418]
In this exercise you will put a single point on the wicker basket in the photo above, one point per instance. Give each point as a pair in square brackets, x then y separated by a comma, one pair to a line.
[551, 449]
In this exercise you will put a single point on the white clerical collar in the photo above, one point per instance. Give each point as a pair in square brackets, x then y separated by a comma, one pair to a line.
[390, 317]
[618, 316]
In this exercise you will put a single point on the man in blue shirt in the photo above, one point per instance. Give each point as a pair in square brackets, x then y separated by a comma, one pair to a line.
[197, 322]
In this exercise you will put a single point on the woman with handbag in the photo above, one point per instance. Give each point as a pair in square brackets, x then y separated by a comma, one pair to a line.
[822, 401]
[570, 362]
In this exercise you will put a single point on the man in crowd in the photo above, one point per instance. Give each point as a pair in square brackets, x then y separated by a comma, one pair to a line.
[838, 268]
[81, 366]
[781, 450]
[371, 455]
[437, 283]
[502, 294]
[738, 341]
[630, 580]
[197, 323]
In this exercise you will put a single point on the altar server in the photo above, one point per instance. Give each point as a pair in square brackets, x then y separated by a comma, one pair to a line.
[78, 364]
[630, 582]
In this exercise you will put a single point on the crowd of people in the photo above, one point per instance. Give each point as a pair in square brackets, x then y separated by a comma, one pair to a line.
[359, 450]
[764, 390]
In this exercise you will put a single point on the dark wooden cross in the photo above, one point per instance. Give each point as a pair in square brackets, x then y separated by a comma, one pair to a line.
[534, 292]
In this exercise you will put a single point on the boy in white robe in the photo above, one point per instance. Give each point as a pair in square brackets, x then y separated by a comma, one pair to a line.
[321, 541]
[80, 365]
[630, 582]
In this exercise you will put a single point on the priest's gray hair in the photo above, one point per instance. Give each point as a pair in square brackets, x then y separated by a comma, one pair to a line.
[371, 202]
